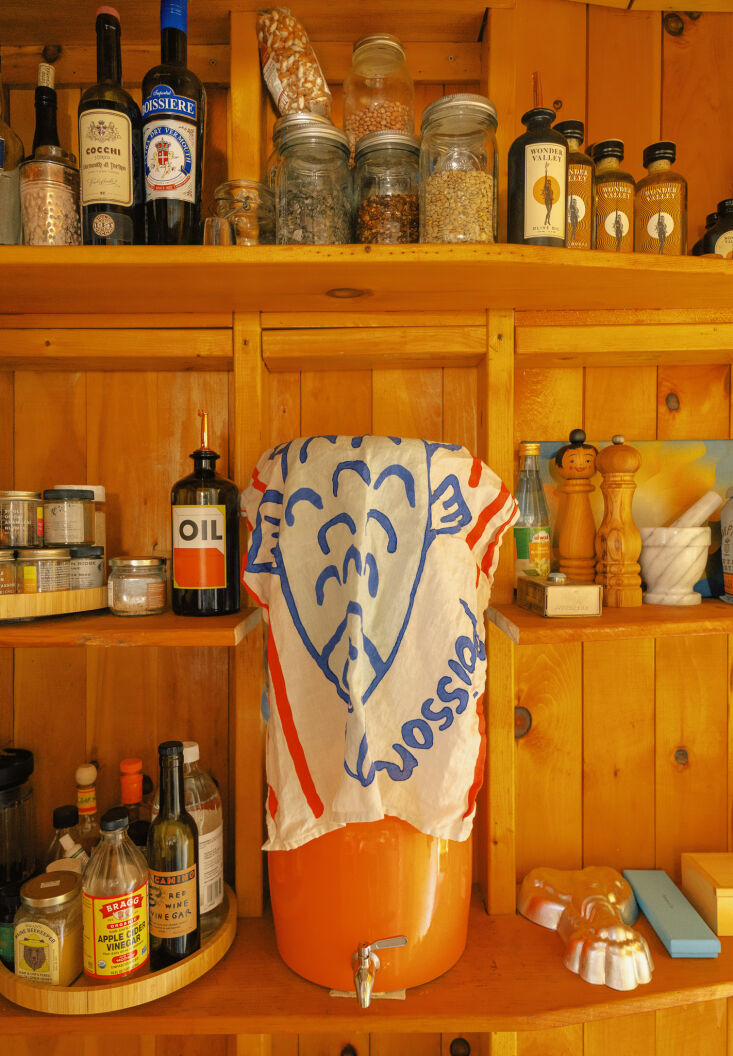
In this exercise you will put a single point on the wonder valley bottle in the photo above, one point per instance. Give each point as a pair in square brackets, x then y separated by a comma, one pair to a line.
[719, 238]
[581, 232]
[660, 206]
[698, 249]
[537, 183]
[615, 191]
[205, 527]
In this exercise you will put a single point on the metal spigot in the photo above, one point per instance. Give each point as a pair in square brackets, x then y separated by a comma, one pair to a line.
[366, 965]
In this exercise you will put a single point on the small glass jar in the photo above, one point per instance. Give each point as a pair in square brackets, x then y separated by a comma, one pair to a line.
[378, 90]
[48, 934]
[136, 586]
[40, 571]
[251, 208]
[7, 572]
[86, 569]
[459, 170]
[313, 187]
[68, 517]
[100, 498]
[21, 518]
[298, 119]
[386, 188]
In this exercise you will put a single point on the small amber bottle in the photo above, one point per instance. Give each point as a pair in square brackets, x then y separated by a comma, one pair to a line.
[698, 249]
[719, 239]
[660, 206]
[581, 232]
[614, 198]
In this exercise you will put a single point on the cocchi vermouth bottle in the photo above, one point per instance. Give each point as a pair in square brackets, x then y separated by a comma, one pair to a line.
[205, 526]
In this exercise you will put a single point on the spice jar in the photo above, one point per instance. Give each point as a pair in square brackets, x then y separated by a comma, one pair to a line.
[313, 187]
[47, 938]
[378, 89]
[251, 208]
[100, 519]
[298, 119]
[49, 198]
[21, 518]
[136, 586]
[459, 170]
[86, 568]
[68, 517]
[17, 860]
[385, 188]
[7, 572]
[40, 571]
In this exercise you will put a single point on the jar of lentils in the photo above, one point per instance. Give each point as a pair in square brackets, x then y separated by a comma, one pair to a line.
[298, 119]
[313, 187]
[378, 89]
[459, 170]
[385, 188]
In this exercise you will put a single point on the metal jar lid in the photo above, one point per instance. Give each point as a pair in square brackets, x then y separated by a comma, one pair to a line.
[74, 494]
[311, 133]
[50, 889]
[462, 103]
[137, 562]
[100, 495]
[7, 555]
[298, 119]
[46, 554]
[379, 38]
[53, 165]
[19, 495]
[385, 139]
[16, 766]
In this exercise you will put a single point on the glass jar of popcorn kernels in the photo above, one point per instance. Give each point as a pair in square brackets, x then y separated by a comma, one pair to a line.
[378, 89]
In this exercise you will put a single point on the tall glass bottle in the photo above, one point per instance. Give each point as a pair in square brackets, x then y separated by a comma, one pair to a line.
[86, 801]
[614, 198]
[537, 183]
[172, 853]
[174, 118]
[205, 526]
[11, 155]
[532, 530]
[660, 205]
[110, 143]
[46, 104]
[581, 233]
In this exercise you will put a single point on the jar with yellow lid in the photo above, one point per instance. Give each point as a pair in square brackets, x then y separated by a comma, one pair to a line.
[48, 931]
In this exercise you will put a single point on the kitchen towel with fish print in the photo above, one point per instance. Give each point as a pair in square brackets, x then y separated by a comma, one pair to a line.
[373, 557]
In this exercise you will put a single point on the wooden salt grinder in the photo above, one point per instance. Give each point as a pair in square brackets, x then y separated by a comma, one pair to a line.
[576, 463]
[618, 543]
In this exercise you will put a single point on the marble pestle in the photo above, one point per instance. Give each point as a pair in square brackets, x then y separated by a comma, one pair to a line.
[673, 559]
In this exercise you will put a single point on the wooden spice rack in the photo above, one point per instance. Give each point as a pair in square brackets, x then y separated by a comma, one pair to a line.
[51, 603]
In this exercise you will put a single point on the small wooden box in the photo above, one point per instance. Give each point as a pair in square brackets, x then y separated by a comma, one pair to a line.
[559, 599]
[707, 880]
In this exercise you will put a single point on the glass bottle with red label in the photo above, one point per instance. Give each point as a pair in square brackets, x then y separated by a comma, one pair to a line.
[205, 527]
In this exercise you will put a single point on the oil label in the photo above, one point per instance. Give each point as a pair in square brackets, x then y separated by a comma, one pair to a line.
[532, 550]
[658, 219]
[105, 157]
[173, 898]
[37, 953]
[199, 547]
[115, 933]
[545, 185]
[579, 206]
[615, 216]
[724, 245]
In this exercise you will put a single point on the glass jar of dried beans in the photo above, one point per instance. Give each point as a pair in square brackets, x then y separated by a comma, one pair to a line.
[313, 193]
[385, 188]
[378, 89]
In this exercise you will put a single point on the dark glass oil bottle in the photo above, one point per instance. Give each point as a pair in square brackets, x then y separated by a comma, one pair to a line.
[174, 118]
[205, 528]
[110, 148]
[537, 180]
[172, 853]
[46, 104]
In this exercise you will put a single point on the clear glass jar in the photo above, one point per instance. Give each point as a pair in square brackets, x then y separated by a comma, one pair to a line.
[39, 571]
[17, 831]
[68, 517]
[87, 567]
[7, 572]
[459, 168]
[48, 929]
[378, 90]
[386, 188]
[21, 518]
[100, 497]
[313, 188]
[298, 119]
[251, 208]
[137, 586]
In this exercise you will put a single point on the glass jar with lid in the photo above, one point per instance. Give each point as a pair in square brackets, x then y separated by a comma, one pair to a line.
[298, 119]
[251, 208]
[21, 518]
[40, 571]
[459, 170]
[137, 586]
[47, 939]
[378, 89]
[313, 187]
[386, 188]
[7, 572]
[17, 860]
[68, 516]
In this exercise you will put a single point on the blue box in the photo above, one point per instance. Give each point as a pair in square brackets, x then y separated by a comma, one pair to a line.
[680, 927]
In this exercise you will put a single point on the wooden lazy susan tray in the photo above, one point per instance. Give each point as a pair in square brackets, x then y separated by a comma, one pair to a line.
[51, 603]
[85, 997]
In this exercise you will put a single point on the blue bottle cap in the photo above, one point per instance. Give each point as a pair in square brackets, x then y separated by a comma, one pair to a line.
[173, 14]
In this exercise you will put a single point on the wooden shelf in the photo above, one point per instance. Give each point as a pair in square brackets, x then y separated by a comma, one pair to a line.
[369, 278]
[106, 629]
[648, 621]
[510, 978]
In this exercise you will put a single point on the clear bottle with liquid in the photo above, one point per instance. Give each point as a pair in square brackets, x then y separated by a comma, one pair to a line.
[532, 530]
[86, 799]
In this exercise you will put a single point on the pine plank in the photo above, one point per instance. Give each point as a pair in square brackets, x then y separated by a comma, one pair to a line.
[356, 349]
[337, 402]
[495, 824]
[246, 118]
[104, 629]
[108, 349]
[600, 345]
[548, 403]
[402, 1045]
[283, 401]
[408, 403]
[693, 402]
[333, 1044]
[562, 1041]
[621, 400]
[631, 1034]
[459, 407]
[52, 407]
[7, 403]
[695, 1031]
[77, 64]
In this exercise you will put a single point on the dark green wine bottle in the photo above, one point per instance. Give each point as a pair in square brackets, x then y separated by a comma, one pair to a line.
[173, 853]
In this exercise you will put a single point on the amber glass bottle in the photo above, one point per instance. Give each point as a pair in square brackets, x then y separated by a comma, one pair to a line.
[581, 233]
[614, 198]
[660, 206]
[719, 238]
[537, 182]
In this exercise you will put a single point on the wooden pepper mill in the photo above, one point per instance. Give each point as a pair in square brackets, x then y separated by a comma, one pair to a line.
[618, 543]
[576, 463]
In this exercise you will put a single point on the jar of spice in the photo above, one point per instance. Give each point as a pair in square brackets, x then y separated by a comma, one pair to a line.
[48, 939]
[39, 571]
[100, 497]
[7, 572]
[459, 170]
[21, 518]
[313, 187]
[378, 89]
[298, 119]
[136, 586]
[251, 208]
[68, 517]
[385, 188]
[86, 569]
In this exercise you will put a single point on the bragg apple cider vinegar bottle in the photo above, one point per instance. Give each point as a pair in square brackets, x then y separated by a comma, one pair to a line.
[205, 526]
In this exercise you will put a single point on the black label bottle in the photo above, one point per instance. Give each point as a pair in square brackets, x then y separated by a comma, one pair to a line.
[110, 138]
[11, 155]
[719, 239]
[660, 205]
[537, 183]
[45, 102]
[174, 117]
[614, 199]
[581, 233]
[172, 853]
[698, 249]
[205, 530]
